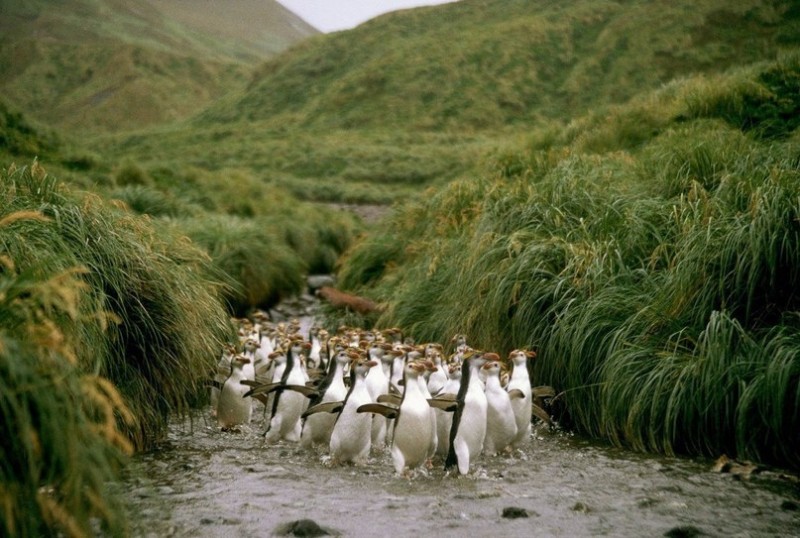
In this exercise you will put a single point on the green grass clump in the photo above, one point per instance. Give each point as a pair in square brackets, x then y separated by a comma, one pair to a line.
[161, 294]
[656, 272]
[61, 443]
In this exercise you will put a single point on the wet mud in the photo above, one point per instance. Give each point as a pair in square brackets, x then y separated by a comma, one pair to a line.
[204, 482]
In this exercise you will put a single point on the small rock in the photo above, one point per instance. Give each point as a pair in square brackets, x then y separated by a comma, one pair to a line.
[317, 281]
[206, 521]
[684, 531]
[580, 507]
[790, 506]
[514, 512]
[301, 527]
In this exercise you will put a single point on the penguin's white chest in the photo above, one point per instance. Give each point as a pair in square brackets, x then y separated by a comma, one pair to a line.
[351, 436]
[412, 433]
[233, 408]
[501, 425]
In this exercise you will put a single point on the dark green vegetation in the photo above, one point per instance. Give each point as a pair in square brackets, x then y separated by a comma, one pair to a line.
[91, 65]
[613, 183]
[650, 252]
[420, 98]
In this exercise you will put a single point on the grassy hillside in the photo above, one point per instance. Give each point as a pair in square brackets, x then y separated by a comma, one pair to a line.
[95, 66]
[649, 252]
[492, 63]
[421, 97]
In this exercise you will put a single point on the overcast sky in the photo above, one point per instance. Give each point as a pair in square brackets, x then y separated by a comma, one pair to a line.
[332, 15]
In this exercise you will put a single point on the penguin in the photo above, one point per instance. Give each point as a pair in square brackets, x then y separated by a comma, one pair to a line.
[220, 375]
[522, 401]
[290, 396]
[250, 346]
[501, 424]
[412, 430]
[314, 357]
[438, 377]
[377, 381]
[444, 419]
[233, 409]
[318, 427]
[433, 442]
[398, 368]
[351, 437]
[468, 431]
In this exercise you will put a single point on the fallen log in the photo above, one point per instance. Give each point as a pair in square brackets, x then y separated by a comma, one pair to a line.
[340, 299]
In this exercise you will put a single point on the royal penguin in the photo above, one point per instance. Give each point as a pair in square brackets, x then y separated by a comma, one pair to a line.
[501, 425]
[519, 387]
[317, 428]
[377, 382]
[438, 376]
[412, 429]
[233, 408]
[250, 346]
[444, 419]
[468, 430]
[352, 431]
[314, 354]
[221, 373]
[290, 395]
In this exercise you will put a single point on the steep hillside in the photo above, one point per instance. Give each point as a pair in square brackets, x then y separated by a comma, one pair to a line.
[106, 66]
[490, 63]
[425, 96]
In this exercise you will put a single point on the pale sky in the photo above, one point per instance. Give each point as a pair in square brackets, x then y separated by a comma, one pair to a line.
[333, 15]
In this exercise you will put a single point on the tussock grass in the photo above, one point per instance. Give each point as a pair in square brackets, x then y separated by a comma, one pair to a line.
[655, 273]
[106, 327]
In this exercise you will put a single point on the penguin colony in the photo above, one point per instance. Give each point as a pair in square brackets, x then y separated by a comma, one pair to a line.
[360, 390]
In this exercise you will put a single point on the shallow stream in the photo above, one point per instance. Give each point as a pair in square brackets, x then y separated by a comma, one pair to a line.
[202, 482]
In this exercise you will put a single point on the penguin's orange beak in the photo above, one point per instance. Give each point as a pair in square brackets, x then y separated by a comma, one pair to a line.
[370, 364]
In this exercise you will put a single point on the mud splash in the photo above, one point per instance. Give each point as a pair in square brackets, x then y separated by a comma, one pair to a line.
[204, 482]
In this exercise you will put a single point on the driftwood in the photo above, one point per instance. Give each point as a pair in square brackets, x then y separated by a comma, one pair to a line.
[340, 299]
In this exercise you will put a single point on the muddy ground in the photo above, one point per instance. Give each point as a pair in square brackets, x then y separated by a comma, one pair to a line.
[205, 482]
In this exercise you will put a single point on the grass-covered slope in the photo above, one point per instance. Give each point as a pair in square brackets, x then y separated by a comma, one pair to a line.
[420, 97]
[649, 252]
[96, 66]
[489, 63]
[107, 324]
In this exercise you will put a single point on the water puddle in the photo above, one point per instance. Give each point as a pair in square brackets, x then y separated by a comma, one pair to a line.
[204, 482]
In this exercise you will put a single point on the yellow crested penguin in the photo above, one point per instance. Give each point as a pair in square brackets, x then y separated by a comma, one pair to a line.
[444, 419]
[378, 383]
[318, 427]
[233, 409]
[220, 375]
[519, 387]
[412, 430]
[289, 401]
[501, 426]
[351, 436]
[468, 430]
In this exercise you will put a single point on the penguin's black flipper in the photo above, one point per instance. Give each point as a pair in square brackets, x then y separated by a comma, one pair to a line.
[261, 389]
[389, 411]
[263, 398]
[250, 383]
[393, 399]
[393, 389]
[445, 404]
[308, 392]
[516, 394]
[327, 407]
[543, 391]
[538, 412]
